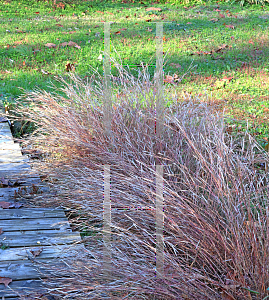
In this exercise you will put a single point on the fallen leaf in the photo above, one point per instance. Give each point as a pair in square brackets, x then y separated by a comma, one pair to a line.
[117, 32]
[251, 42]
[59, 25]
[214, 20]
[5, 280]
[69, 67]
[73, 44]
[50, 45]
[189, 23]
[100, 12]
[222, 16]
[230, 26]
[153, 8]
[175, 65]
[36, 252]
[4, 204]
[63, 44]
[169, 79]
[227, 78]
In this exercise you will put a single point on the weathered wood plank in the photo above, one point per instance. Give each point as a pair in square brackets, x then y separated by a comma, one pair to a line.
[10, 146]
[4, 126]
[22, 287]
[13, 159]
[25, 269]
[24, 239]
[15, 153]
[19, 270]
[23, 191]
[19, 174]
[6, 139]
[14, 167]
[31, 213]
[49, 252]
[33, 224]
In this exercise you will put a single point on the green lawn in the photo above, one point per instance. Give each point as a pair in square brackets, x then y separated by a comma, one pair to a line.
[226, 45]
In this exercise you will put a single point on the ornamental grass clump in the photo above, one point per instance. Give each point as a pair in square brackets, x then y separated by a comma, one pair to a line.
[215, 192]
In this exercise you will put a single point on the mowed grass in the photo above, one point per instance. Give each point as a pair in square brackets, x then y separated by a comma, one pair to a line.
[221, 49]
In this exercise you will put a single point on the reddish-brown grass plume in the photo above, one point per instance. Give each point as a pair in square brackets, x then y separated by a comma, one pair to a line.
[215, 193]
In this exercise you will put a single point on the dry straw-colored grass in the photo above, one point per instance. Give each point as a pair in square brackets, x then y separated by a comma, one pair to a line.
[216, 214]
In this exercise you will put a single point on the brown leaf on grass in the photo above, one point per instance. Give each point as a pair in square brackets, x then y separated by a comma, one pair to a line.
[69, 67]
[36, 252]
[221, 48]
[230, 26]
[169, 79]
[117, 32]
[50, 45]
[73, 44]
[214, 20]
[63, 44]
[61, 5]
[4, 204]
[175, 65]
[225, 78]
[148, 20]
[222, 16]
[5, 280]
[59, 25]
[153, 8]
[100, 12]
[1, 230]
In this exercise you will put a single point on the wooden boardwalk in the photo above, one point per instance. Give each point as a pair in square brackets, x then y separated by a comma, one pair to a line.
[26, 234]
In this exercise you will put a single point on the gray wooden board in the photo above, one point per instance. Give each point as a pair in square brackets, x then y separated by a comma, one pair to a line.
[31, 213]
[11, 158]
[23, 179]
[26, 269]
[48, 252]
[14, 166]
[15, 152]
[21, 192]
[6, 139]
[26, 239]
[33, 224]
[19, 270]
[4, 126]
[18, 174]
[10, 146]
[23, 287]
